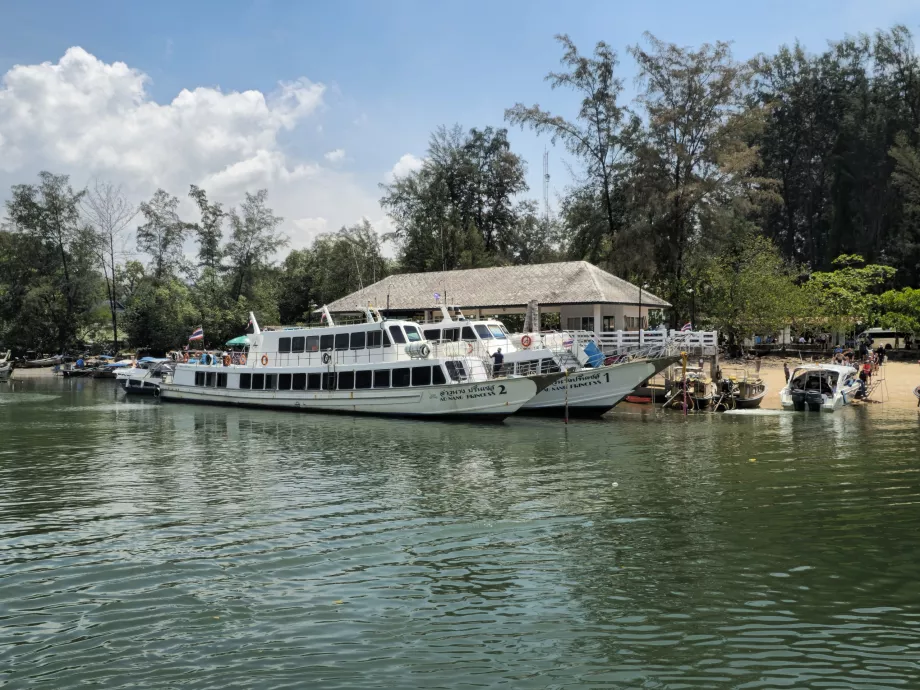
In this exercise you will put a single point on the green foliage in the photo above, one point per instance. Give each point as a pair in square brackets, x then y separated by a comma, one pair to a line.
[849, 295]
[749, 289]
[161, 315]
[900, 310]
[50, 282]
[254, 238]
[466, 185]
[162, 235]
[208, 229]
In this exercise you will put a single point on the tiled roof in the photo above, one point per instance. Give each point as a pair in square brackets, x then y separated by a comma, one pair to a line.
[568, 282]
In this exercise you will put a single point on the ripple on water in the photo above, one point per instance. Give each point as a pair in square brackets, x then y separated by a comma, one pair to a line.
[156, 546]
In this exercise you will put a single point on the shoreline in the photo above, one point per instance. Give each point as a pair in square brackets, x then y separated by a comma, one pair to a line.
[896, 391]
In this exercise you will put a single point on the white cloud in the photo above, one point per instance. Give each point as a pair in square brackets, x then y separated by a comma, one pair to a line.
[335, 155]
[405, 165]
[88, 118]
[306, 230]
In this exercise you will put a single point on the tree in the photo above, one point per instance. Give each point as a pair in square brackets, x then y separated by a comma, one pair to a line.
[49, 213]
[161, 315]
[108, 213]
[600, 136]
[254, 239]
[467, 185]
[749, 288]
[208, 230]
[345, 261]
[162, 235]
[848, 295]
[695, 156]
[900, 310]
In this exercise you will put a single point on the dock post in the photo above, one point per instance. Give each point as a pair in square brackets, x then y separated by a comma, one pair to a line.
[714, 366]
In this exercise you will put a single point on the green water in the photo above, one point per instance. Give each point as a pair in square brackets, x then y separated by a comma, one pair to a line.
[150, 546]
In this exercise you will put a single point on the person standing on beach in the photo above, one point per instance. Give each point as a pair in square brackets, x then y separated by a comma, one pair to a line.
[786, 371]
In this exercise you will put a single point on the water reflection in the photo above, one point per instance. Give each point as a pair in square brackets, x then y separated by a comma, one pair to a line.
[224, 547]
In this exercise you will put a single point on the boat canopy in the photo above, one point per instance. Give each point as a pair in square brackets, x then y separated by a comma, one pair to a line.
[241, 340]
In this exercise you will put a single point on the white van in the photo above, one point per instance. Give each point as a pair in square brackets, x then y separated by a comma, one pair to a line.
[883, 337]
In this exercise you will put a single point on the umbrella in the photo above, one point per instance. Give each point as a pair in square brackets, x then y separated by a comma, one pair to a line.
[241, 340]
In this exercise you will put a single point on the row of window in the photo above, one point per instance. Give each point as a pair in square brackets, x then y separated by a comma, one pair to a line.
[402, 377]
[210, 378]
[358, 340]
[486, 332]
[533, 366]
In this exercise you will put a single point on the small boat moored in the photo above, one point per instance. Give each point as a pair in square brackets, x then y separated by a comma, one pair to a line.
[821, 388]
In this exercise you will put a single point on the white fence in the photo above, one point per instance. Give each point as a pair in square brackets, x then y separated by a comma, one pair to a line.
[617, 342]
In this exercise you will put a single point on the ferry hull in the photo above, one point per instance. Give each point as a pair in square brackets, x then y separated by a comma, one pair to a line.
[593, 392]
[487, 401]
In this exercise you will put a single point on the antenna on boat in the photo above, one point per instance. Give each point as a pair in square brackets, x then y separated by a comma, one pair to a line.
[254, 324]
[327, 316]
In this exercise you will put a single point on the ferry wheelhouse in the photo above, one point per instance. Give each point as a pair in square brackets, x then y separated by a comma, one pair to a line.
[593, 385]
[378, 366]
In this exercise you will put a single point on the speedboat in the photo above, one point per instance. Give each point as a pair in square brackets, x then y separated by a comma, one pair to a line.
[131, 368]
[593, 383]
[147, 381]
[382, 367]
[821, 387]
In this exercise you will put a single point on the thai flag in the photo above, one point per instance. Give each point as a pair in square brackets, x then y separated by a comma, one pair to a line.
[198, 334]
[687, 327]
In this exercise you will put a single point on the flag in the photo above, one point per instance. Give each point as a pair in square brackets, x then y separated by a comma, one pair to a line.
[687, 327]
[437, 297]
[198, 334]
[322, 317]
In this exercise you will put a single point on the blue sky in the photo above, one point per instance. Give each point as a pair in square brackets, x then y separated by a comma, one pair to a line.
[392, 71]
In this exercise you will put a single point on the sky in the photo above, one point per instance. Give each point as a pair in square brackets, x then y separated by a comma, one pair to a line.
[321, 102]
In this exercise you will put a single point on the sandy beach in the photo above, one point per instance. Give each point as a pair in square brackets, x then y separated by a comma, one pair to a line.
[896, 390]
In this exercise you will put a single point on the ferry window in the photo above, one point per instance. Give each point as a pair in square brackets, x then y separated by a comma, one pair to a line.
[313, 382]
[432, 334]
[357, 340]
[325, 342]
[312, 343]
[363, 379]
[468, 333]
[451, 334]
[382, 378]
[413, 334]
[421, 376]
[341, 341]
[284, 344]
[346, 380]
[298, 382]
[329, 381]
[245, 381]
[548, 365]
[271, 382]
[497, 332]
[297, 344]
[483, 331]
[209, 378]
[374, 339]
[199, 378]
[386, 339]
[397, 334]
[284, 382]
[221, 380]
[401, 378]
[438, 375]
[258, 382]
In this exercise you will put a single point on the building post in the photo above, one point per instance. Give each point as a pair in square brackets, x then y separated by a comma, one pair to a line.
[597, 318]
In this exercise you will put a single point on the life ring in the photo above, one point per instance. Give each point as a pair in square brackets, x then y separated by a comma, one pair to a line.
[226, 360]
[264, 360]
[526, 341]
[327, 358]
[917, 392]
[185, 357]
[469, 348]
[242, 359]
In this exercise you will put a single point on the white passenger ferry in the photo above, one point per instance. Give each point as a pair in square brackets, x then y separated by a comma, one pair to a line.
[593, 385]
[379, 367]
